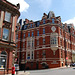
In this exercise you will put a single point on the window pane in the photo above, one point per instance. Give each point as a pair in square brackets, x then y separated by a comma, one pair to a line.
[28, 34]
[28, 55]
[52, 20]
[32, 34]
[53, 40]
[38, 24]
[25, 26]
[17, 36]
[37, 42]
[24, 36]
[43, 41]
[43, 21]
[43, 30]
[5, 34]
[30, 25]
[38, 33]
[7, 16]
[32, 54]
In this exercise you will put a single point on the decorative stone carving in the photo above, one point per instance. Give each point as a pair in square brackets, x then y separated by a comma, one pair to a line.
[53, 28]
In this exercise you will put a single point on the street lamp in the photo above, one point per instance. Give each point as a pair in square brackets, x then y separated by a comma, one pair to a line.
[3, 61]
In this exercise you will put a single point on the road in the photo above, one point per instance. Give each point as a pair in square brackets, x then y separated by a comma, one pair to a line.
[62, 71]
[57, 71]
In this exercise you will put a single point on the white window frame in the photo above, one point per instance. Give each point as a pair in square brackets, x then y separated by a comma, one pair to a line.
[7, 16]
[7, 35]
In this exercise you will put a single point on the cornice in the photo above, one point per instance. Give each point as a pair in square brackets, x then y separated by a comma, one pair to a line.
[6, 7]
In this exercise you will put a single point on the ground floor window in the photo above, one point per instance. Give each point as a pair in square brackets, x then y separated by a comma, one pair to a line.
[3, 59]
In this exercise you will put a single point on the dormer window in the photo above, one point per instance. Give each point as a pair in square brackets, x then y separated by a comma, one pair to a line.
[53, 20]
[25, 26]
[30, 25]
[7, 16]
[38, 24]
[43, 21]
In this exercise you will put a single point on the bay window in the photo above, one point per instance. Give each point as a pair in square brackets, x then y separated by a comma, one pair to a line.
[5, 34]
[53, 40]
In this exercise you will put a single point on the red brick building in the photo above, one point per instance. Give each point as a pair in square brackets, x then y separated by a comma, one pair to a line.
[9, 14]
[47, 43]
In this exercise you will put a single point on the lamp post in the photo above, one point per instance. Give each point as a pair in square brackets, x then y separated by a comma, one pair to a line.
[3, 60]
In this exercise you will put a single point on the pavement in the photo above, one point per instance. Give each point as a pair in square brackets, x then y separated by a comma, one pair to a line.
[55, 71]
[23, 73]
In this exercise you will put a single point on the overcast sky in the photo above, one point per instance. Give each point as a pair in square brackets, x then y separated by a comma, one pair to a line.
[34, 9]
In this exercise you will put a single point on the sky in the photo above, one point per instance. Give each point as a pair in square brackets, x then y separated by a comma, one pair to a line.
[34, 9]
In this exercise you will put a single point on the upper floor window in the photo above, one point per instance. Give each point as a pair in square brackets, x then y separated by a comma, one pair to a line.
[32, 55]
[24, 36]
[37, 54]
[17, 36]
[60, 31]
[32, 43]
[32, 34]
[25, 26]
[5, 34]
[28, 55]
[52, 20]
[53, 40]
[31, 25]
[23, 44]
[16, 45]
[44, 54]
[37, 42]
[7, 16]
[28, 34]
[38, 23]
[38, 33]
[43, 30]
[44, 41]
[28, 43]
[43, 21]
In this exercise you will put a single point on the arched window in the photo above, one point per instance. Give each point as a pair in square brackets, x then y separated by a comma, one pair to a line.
[3, 59]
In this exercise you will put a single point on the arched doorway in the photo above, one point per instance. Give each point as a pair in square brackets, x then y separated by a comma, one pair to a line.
[3, 59]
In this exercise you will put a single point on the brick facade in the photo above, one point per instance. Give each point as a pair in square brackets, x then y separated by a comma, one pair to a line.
[47, 43]
[9, 14]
